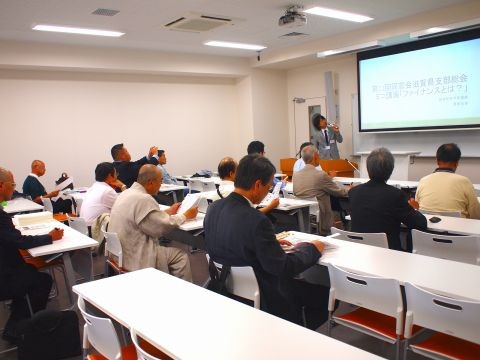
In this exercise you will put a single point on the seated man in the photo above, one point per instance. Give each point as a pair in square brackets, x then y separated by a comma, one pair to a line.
[16, 277]
[162, 160]
[380, 208]
[257, 147]
[226, 171]
[238, 235]
[139, 222]
[34, 188]
[446, 191]
[127, 170]
[101, 195]
[309, 182]
[300, 164]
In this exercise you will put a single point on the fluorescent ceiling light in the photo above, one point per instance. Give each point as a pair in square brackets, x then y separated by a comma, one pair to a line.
[337, 14]
[351, 48]
[72, 30]
[434, 30]
[235, 45]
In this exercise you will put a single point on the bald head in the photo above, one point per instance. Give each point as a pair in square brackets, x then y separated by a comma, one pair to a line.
[310, 155]
[5, 175]
[227, 168]
[38, 167]
[148, 173]
[7, 184]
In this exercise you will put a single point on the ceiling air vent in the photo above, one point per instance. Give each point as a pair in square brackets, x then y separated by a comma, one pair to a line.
[293, 34]
[193, 22]
[105, 12]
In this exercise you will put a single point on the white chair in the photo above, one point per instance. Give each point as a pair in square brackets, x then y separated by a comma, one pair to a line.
[47, 204]
[113, 253]
[78, 224]
[373, 239]
[441, 213]
[78, 202]
[458, 248]
[458, 318]
[100, 334]
[381, 306]
[202, 185]
[145, 351]
[242, 282]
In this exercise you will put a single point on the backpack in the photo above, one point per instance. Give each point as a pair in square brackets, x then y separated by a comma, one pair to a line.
[49, 334]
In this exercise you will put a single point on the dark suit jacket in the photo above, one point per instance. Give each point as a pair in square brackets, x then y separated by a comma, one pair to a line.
[378, 207]
[11, 240]
[238, 235]
[127, 171]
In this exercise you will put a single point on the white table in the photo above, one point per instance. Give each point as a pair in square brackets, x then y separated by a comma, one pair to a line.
[441, 276]
[175, 189]
[404, 184]
[72, 240]
[21, 205]
[298, 207]
[159, 307]
[455, 225]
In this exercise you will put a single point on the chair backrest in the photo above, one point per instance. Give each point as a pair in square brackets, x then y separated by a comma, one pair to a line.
[242, 282]
[457, 248]
[47, 204]
[377, 294]
[373, 239]
[442, 213]
[78, 202]
[113, 246]
[78, 224]
[209, 185]
[100, 334]
[459, 318]
[141, 353]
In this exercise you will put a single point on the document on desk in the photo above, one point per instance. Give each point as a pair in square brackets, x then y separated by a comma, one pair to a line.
[296, 237]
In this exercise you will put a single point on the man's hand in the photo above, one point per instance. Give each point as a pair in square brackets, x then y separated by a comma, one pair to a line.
[172, 210]
[332, 173]
[191, 213]
[56, 234]
[53, 194]
[335, 128]
[319, 245]
[273, 204]
[284, 242]
[414, 203]
[153, 151]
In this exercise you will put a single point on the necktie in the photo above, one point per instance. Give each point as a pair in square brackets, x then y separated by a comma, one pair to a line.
[326, 136]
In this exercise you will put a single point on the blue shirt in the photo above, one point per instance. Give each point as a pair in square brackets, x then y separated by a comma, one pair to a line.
[167, 179]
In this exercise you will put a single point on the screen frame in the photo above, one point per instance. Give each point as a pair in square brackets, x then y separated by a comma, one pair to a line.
[431, 41]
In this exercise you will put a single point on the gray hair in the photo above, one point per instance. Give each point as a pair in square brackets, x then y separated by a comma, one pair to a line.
[380, 164]
[4, 174]
[308, 153]
[148, 172]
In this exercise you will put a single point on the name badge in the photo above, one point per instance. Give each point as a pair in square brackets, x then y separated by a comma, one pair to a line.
[327, 147]
[332, 141]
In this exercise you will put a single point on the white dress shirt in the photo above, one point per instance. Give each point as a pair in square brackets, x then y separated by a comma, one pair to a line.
[98, 200]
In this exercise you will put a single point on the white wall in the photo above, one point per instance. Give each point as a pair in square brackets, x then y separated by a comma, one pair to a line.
[309, 82]
[70, 120]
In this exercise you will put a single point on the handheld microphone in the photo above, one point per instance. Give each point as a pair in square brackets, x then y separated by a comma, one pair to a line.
[352, 165]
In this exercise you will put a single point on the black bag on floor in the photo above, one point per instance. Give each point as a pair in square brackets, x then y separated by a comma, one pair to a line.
[49, 334]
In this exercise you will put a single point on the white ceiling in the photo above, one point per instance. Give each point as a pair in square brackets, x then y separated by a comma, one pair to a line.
[143, 20]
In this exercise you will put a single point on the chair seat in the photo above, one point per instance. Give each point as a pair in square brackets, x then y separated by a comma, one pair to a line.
[448, 346]
[115, 266]
[373, 321]
[129, 352]
[63, 217]
[38, 262]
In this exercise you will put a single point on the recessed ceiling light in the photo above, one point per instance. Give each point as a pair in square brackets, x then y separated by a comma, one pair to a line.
[337, 14]
[72, 30]
[434, 30]
[235, 45]
[351, 48]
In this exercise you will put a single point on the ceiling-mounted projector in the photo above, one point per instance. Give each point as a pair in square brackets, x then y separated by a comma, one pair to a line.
[293, 17]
